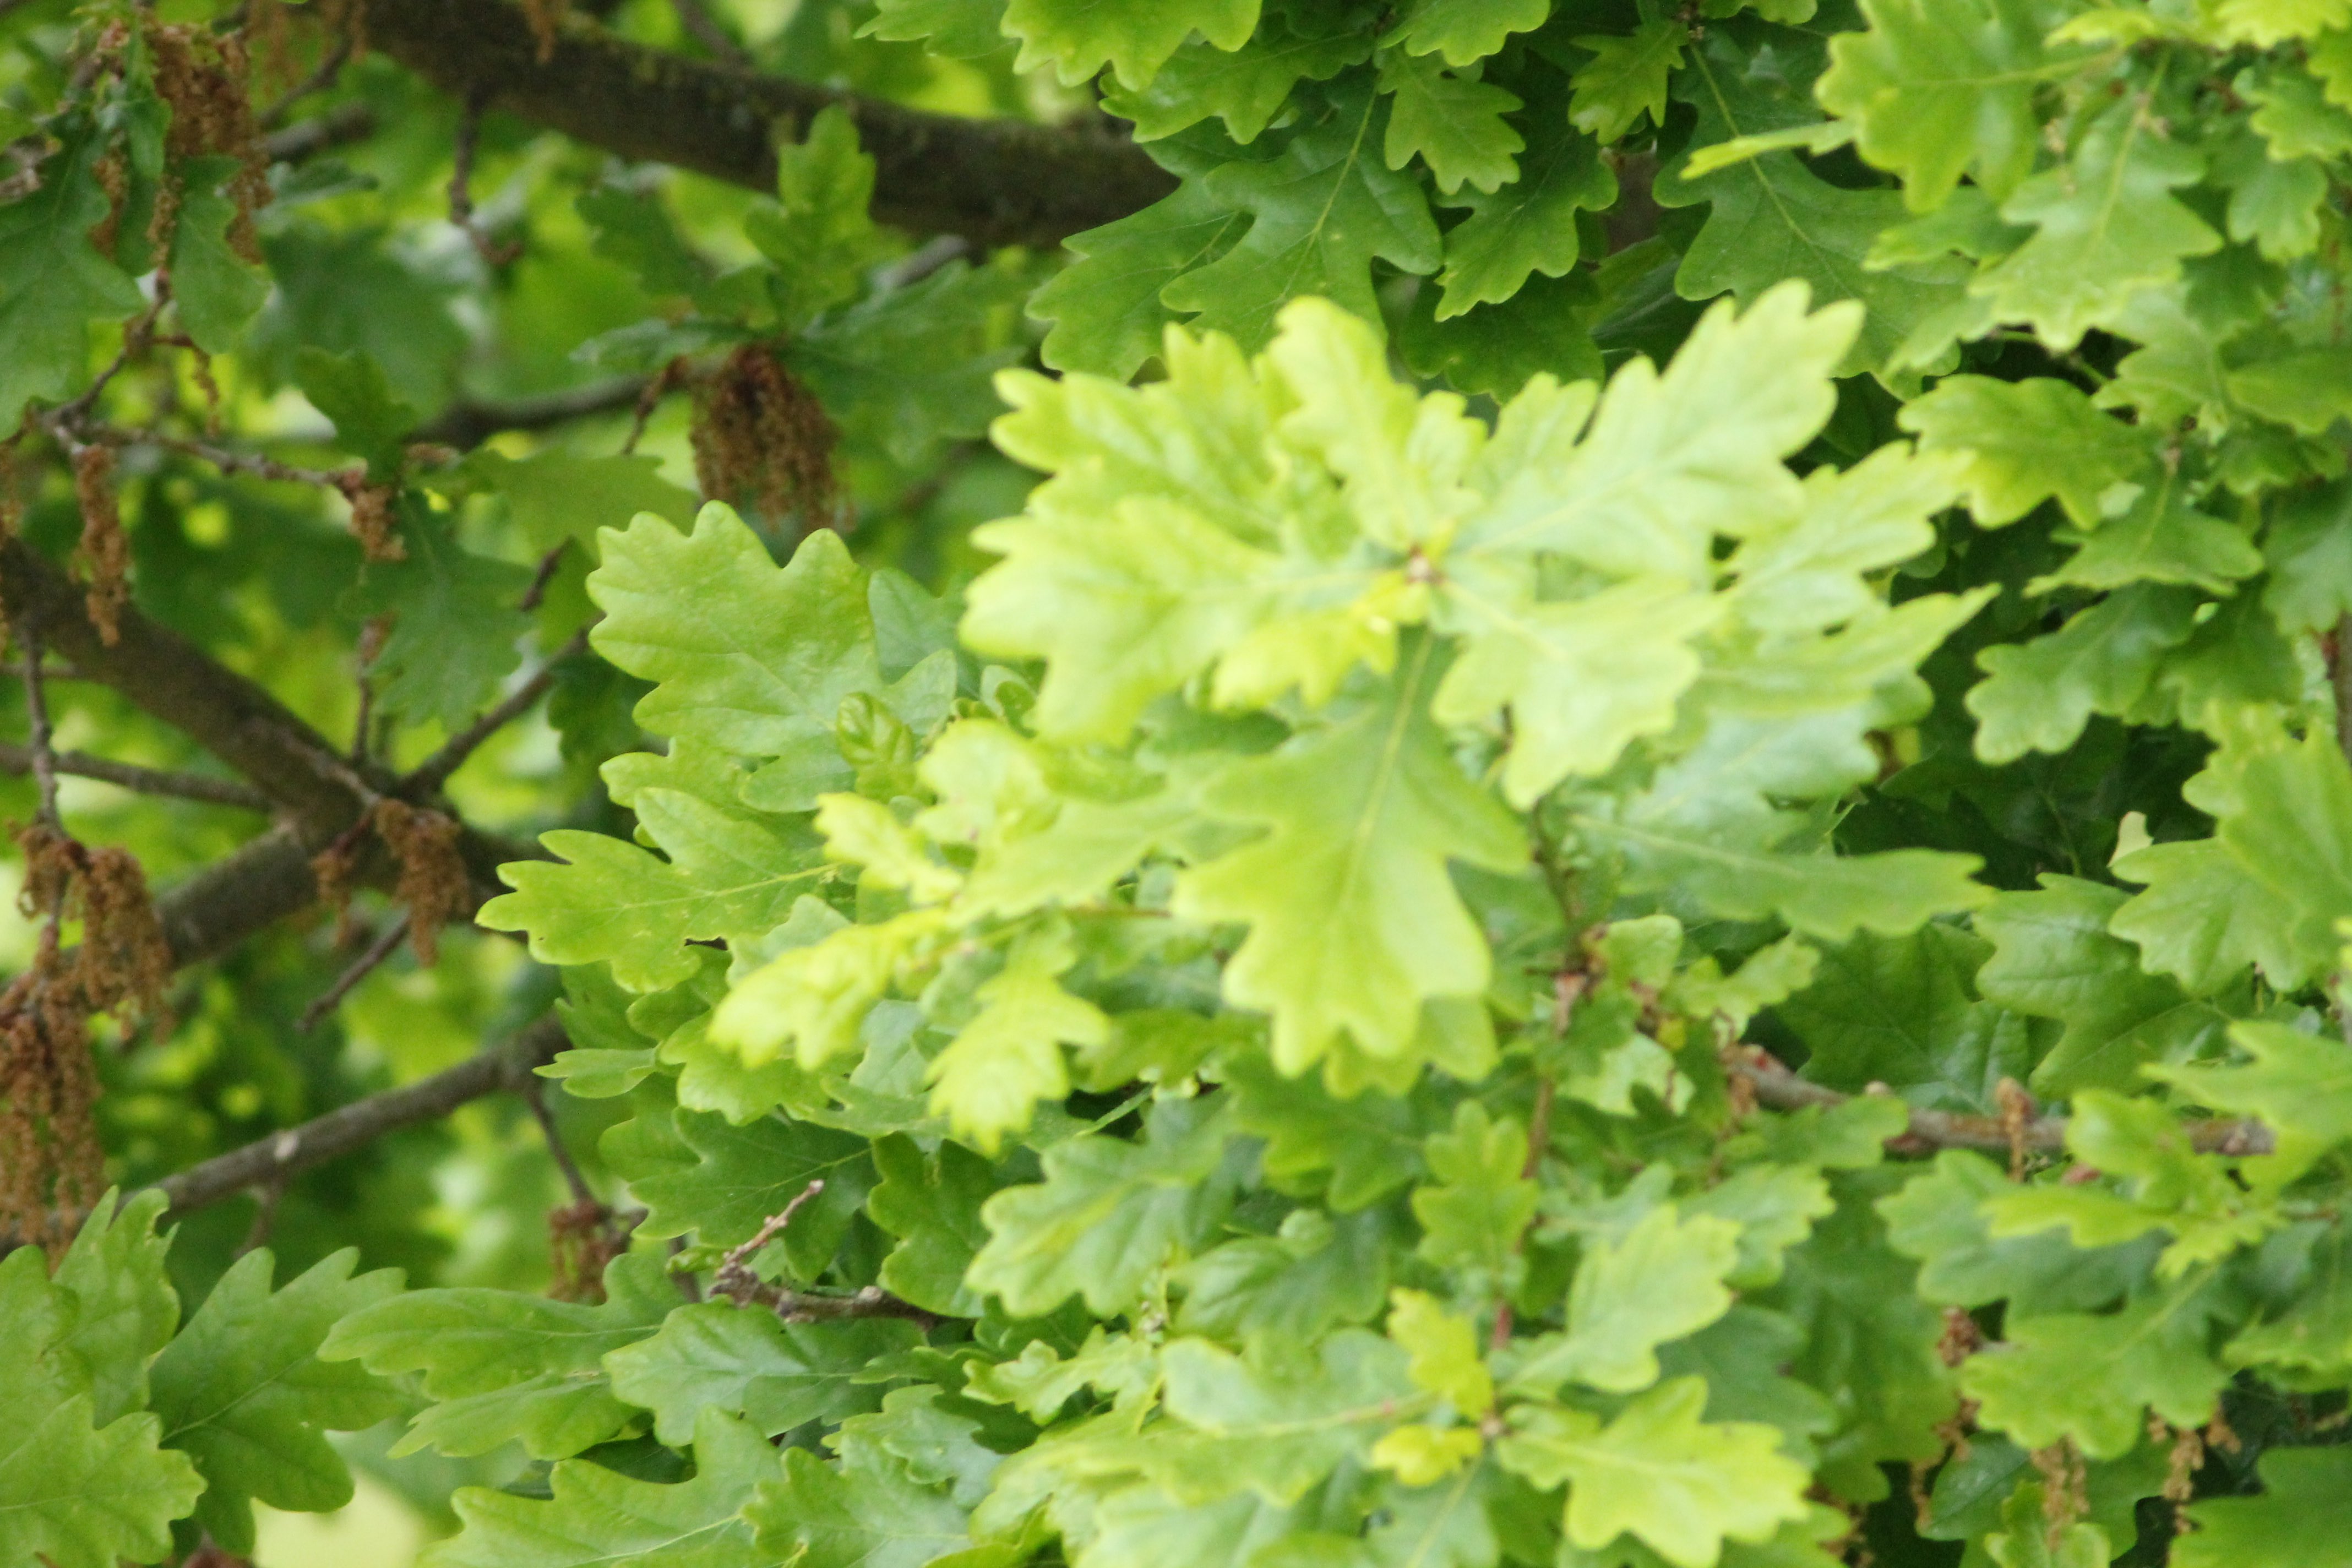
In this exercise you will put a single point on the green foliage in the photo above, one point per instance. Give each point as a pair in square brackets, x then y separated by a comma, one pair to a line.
[1175, 953]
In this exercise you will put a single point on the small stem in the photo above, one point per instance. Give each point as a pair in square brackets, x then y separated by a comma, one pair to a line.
[37, 712]
[435, 770]
[2339, 679]
[18, 759]
[386, 943]
[534, 1095]
[1538, 1139]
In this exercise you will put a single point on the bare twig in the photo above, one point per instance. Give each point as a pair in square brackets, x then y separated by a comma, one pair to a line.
[37, 712]
[461, 178]
[387, 943]
[330, 66]
[1929, 1131]
[343, 124]
[919, 264]
[314, 1142]
[704, 29]
[734, 1278]
[535, 593]
[435, 770]
[466, 425]
[20, 760]
[534, 1095]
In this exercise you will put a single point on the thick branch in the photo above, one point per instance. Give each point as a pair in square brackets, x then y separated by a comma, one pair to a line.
[18, 759]
[324, 1137]
[995, 182]
[251, 732]
[1929, 1131]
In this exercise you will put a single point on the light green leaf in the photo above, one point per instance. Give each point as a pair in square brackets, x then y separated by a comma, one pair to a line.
[2037, 696]
[1466, 30]
[2025, 441]
[2161, 539]
[1939, 89]
[1107, 1214]
[1105, 306]
[1681, 1486]
[1661, 1280]
[1134, 37]
[2302, 1520]
[1354, 924]
[1670, 460]
[729, 875]
[2090, 1377]
[123, 1306]
[2106, 229]
[1584, 678]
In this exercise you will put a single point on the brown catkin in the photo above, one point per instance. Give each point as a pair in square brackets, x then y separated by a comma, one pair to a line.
[105, 552]
[544, 18]
[205, 76]
[373, 519]
[112, 173]
[432, 880]
[759, 432]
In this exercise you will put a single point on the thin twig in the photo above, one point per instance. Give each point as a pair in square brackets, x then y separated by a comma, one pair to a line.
[265, 1215]
[461, 177]
[21, 760]
[37, 712]
[387, 943]
[704, 29]
[534, 596]
[466, 425]
[534, 1095]
[1929, 1131]
[435, 770]
[735, 1279]
[306, 139]
[330, 66]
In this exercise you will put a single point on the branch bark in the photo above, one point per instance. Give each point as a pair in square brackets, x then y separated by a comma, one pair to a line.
[16, 759]
[323, 1138]
[1929, 1131]
[297, 768]
[995, 182]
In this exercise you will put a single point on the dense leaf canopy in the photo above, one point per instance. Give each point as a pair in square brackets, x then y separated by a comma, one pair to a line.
[1179, 783]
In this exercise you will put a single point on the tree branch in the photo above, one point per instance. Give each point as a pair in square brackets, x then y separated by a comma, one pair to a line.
[338, 1133]
[20, 760]
[256, 735]
[1929, 1131]
[466, 426]
[995, 182]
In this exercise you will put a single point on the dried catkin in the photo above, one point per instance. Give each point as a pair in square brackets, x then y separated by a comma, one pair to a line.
[759, 432]
[104, 552]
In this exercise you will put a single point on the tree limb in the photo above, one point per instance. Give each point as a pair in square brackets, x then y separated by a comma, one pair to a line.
[16, 759]
[995, 182]
[1782, 1089]
[340, 1130]
[256, 735]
